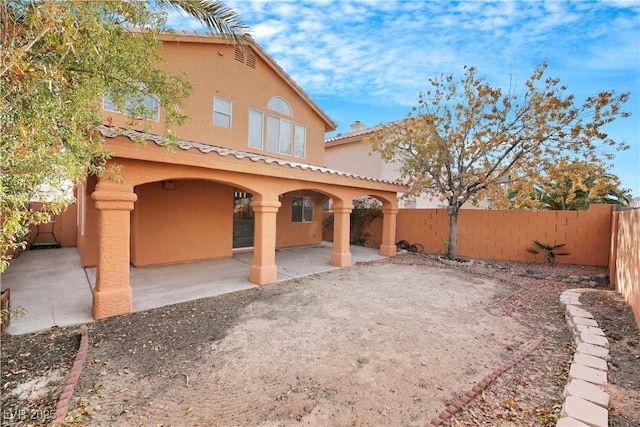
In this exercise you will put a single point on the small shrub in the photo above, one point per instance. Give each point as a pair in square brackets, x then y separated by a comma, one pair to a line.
[550, 251]
[444, 249]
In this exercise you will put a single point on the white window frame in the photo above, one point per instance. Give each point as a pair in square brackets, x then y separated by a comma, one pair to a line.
[275, 125]
[218, 112]
[280, 105]
[276, 135]
[306, 209]
[300, 141]
[151, 103]
[254, 136]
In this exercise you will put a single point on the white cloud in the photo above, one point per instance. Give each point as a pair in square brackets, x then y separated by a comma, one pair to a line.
[381, 53]
[178, 20]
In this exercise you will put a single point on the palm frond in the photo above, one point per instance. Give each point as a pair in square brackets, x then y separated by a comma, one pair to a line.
[214, 15]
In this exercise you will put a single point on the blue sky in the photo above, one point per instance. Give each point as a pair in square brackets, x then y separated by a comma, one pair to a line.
[369, 60]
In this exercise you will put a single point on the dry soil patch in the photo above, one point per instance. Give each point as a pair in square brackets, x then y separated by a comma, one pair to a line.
[367, 345]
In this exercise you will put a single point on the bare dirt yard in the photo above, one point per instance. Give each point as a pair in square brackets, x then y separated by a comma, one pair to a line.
[392, 342]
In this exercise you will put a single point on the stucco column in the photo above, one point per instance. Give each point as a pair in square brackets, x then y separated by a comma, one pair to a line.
[388, 246]
[264, 269]
[341, 256]
[112, 295]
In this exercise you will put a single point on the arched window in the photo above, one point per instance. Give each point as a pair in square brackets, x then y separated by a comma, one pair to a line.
[280, 105]
[278, 131]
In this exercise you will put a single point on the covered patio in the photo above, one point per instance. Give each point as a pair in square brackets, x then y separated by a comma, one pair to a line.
[55, 290]
[165, 208]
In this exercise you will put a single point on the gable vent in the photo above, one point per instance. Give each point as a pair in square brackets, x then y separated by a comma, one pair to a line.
[251, 60]
[239, 55]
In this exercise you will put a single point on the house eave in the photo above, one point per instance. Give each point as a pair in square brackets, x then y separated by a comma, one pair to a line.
[125, 144]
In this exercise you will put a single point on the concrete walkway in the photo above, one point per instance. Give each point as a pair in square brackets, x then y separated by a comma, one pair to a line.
[54, 289]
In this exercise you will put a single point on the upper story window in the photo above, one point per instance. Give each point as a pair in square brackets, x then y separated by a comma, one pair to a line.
[256, 125]
[148, 109]
[279, 135]
[278, 129]
[280, 105]
[301, 141]
[222, 112]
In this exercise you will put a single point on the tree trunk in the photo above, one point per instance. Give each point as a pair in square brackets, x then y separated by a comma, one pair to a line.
[453, 233]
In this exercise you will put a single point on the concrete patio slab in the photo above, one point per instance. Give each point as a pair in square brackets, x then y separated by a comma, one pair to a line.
[55, 290]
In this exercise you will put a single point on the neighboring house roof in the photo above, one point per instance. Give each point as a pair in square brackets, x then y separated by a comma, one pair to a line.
[195, 37]
[112, 132]
[349, 137]
[358, 133]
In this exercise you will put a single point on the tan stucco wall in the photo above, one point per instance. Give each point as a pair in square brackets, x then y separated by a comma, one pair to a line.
[191, 222]
[356, 157]
[214, 72]
[291, 233]
[626, 270]
[63, 228]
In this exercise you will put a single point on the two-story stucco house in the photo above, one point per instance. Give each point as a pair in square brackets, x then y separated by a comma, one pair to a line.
[247, 174]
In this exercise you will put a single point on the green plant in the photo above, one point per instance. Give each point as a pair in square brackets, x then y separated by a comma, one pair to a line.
[445, 247]
[7, 312]
[364, 211]
[550, 251]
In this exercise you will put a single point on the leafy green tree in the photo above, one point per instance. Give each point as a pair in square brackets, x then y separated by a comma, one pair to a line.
[465, 138]
[58, 60]
[575, 186]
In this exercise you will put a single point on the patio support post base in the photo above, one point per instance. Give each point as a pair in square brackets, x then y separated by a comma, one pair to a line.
[388, 250]
[341, 257]
[263, 275]
[341, 260]
[112, 303]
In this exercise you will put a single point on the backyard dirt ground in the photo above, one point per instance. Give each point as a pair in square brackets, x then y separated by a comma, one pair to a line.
[383, 343]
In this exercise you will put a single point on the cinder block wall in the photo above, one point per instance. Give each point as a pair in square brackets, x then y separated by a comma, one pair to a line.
[625, 268]
[506, 234]
[429, 227]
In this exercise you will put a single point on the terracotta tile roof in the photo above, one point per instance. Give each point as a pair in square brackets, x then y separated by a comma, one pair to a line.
[348, 137]
[134, 135]
[357, 135]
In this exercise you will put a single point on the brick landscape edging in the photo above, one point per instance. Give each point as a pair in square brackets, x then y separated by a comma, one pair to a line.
[477, 389]
[74, 374]
[585, 401]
